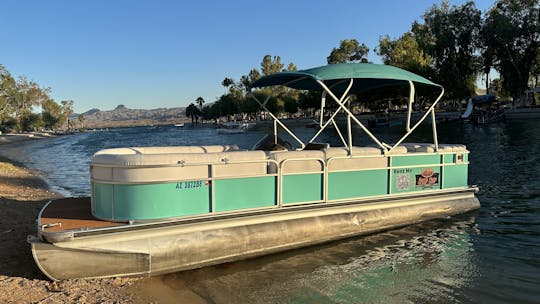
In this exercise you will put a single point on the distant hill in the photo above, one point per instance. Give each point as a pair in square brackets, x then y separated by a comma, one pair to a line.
[122, 116]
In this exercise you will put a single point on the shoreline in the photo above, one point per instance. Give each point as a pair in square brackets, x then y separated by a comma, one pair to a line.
[22, 195]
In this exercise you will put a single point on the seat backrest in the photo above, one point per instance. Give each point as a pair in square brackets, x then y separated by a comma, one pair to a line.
[252, 163]
[338, 159]
[308, 161]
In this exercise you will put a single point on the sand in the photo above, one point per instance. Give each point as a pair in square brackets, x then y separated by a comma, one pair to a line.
[22, 194]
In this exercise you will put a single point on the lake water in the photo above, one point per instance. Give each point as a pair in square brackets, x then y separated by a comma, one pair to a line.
[488, 256]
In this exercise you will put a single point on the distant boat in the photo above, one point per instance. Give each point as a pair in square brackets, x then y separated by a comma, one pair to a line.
[180, 125]
[232, 128]
[483, 109]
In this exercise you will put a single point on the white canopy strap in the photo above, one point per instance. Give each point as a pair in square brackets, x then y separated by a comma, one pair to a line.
[431, 111]
[276, 120]
[409, 110]
[342, 106]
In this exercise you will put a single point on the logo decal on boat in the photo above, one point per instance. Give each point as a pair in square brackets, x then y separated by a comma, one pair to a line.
[427, 179]
[402, 182]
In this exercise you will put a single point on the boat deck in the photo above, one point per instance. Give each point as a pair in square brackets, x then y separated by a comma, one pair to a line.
[70, 214]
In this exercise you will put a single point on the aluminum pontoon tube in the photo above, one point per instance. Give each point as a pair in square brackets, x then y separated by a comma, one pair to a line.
[154, 251]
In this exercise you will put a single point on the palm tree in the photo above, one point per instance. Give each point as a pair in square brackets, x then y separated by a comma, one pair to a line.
[199, 101]
[81, 121]
[193, 112]
[226, 83]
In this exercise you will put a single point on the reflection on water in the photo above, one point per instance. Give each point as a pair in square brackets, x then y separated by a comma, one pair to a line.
[421, 263]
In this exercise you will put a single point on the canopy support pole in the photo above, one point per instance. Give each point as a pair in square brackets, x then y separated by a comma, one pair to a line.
[349, 127]
[434, 124]
[431, 111]
[324, 126]
[321, 83]
[276, 120]
[339, 132]
[409, 110]
[331, 120]
[323, 104]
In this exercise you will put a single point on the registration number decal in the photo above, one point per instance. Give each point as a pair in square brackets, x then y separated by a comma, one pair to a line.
[190, 185]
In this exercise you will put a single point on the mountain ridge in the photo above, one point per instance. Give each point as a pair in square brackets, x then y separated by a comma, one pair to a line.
[122, 116]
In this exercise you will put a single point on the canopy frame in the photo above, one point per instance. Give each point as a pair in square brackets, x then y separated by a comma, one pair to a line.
[342, 102]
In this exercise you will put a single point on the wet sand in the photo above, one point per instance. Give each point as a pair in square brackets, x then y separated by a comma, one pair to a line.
[22, 195]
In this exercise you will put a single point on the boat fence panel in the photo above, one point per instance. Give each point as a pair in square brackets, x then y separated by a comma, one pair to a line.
[301, 176]
[363, 174]
[242, 182]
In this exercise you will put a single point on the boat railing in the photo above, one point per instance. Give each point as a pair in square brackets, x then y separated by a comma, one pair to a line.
[286, 179]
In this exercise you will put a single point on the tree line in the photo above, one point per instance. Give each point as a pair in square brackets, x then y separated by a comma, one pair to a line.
[453, 46]
[19, 97]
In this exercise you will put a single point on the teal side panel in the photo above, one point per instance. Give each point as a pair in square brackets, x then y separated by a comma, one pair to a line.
[413, 160]
[343, 185]
[300, 188]
[415, 179]
[455, 176]
[448, 158]
[102, 197]
[152, 201]
[242, 193]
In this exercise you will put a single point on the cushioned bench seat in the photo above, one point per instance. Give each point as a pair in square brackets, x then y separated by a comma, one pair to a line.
[129, 165]
[296, 162]
[430, 148]
[369, 157]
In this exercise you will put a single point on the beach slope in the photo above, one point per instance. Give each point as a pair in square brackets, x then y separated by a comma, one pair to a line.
[22, 194]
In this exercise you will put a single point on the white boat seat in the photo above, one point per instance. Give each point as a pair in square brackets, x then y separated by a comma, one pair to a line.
[401, 149]
[173, 149]
[255, 166]
[337, 158]
[137, 168]
[300, 164]
[220, 148]
[430, 148]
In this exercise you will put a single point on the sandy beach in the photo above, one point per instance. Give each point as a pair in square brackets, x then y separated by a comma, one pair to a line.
[22, 194]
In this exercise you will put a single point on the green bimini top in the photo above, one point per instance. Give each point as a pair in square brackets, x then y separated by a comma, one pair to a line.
[367, 76]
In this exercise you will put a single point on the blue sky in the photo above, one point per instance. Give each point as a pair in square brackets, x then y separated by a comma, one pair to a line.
[150, 54]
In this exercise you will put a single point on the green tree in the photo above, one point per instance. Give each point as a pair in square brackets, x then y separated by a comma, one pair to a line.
[247, 80]
[7, 91]
[51, 114]
[497, 89]
[535, 71]
[349, 50]
[450, 36]
[290, 105]
[292, 67]
[511, 32]
[200, 101]
[67, 110]
[405, 52]
[80, 118]
[28, 94]
[227, 105]
[227, 83]
[271, 65]
[31, 122]
[193, 112]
